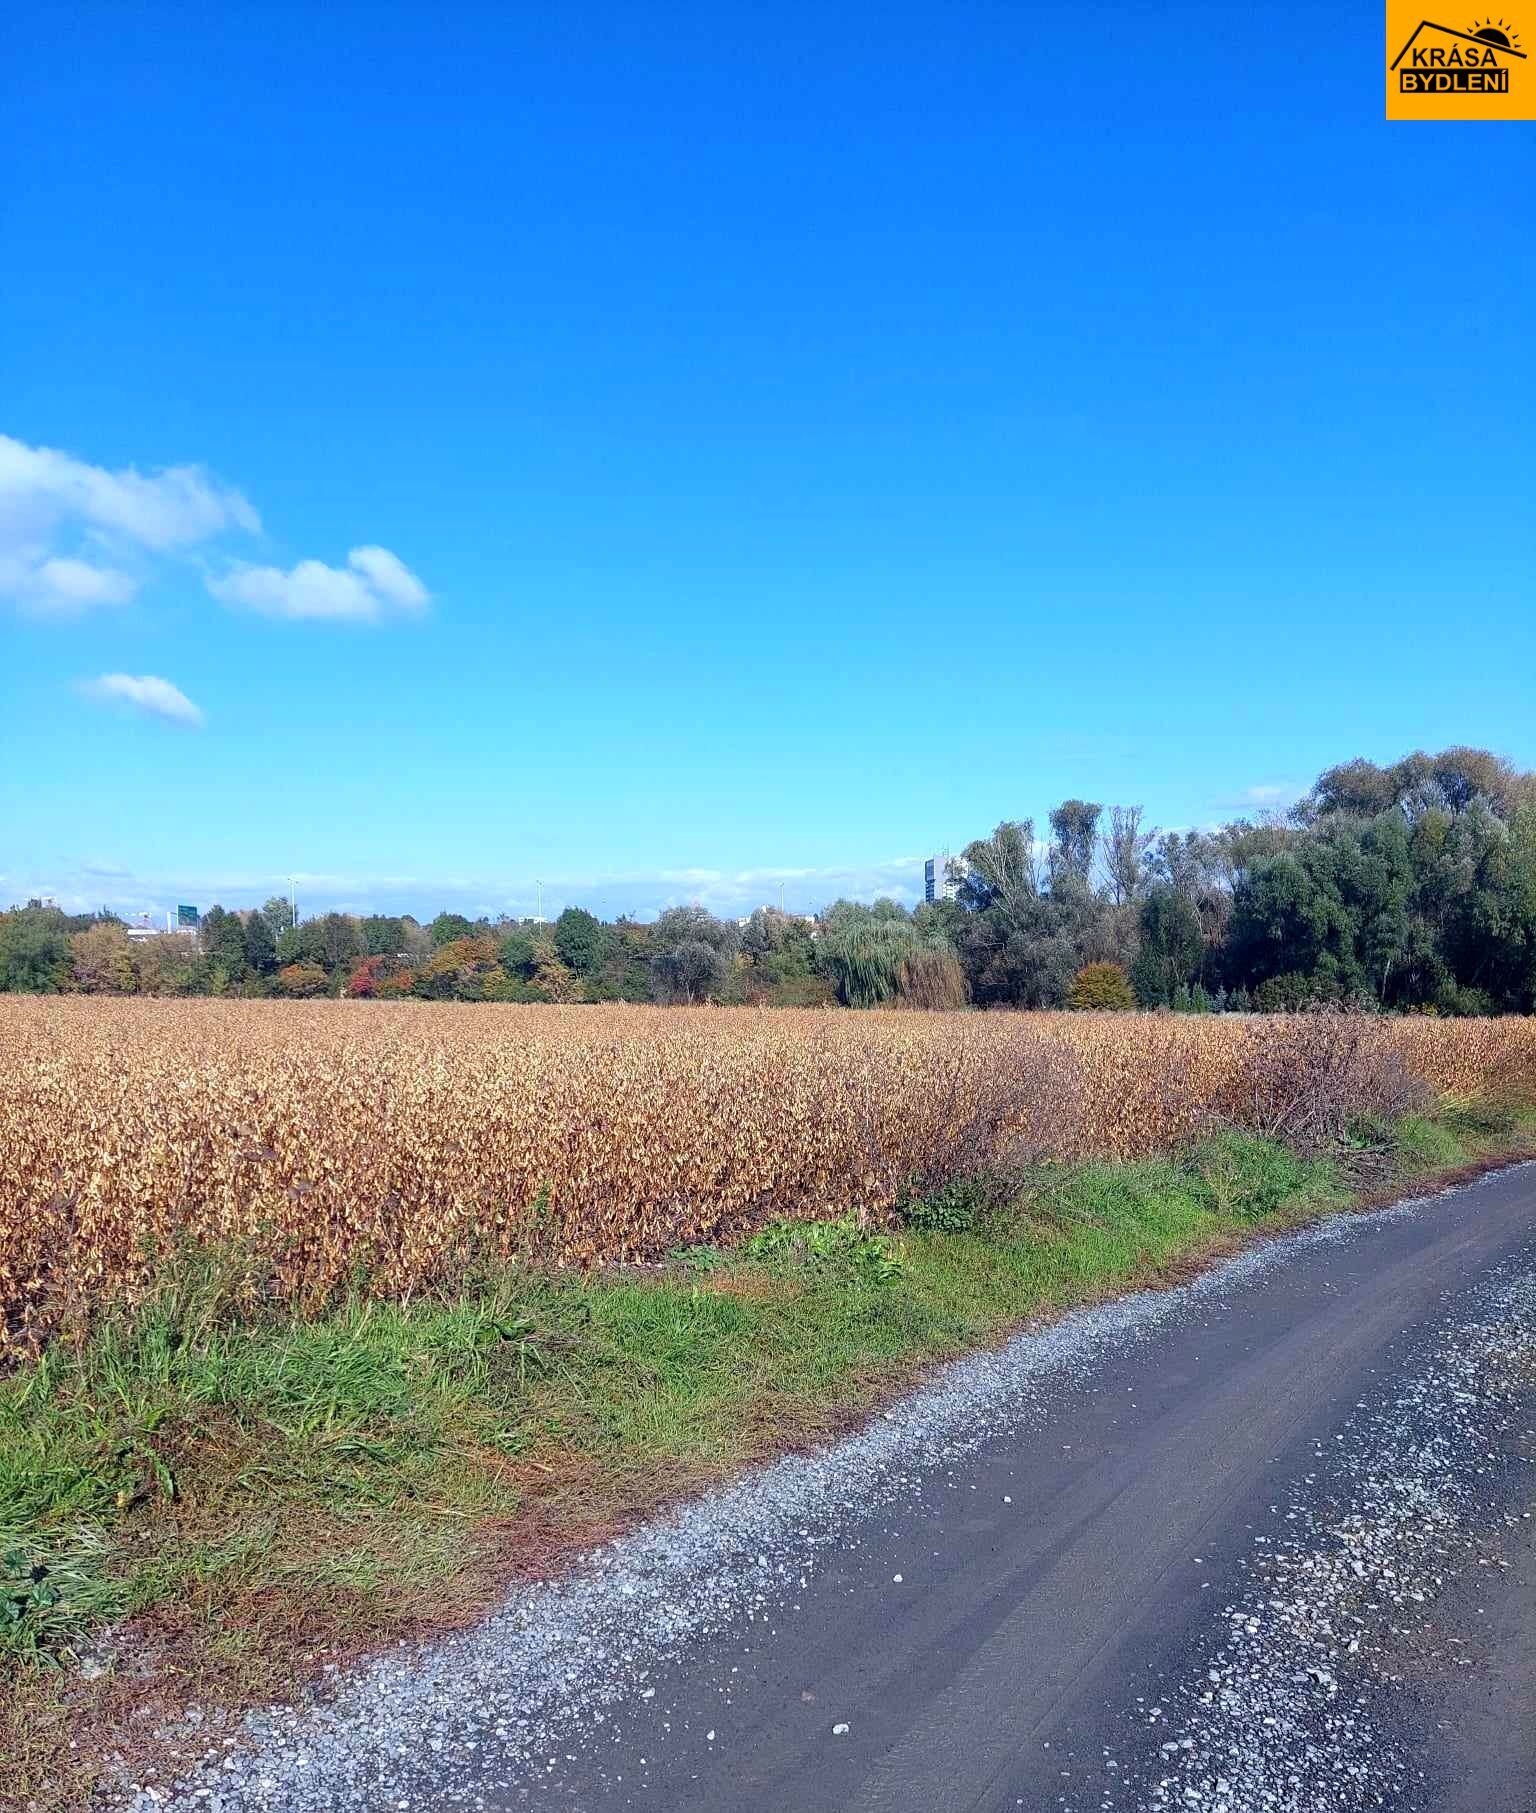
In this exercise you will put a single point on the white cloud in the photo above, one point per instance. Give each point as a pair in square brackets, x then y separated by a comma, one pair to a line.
[1268, 797]
[55, 508]
[70, 583]
[75, 536]
[81, 884]
[148, 693]
[731, 893]
[172, 508]
[390, 577]
[1264, 796]
[373, 583]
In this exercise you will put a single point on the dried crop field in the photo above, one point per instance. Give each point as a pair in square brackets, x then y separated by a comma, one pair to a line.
[383, 1146]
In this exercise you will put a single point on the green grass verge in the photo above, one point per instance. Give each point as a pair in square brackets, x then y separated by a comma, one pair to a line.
[253, 1495]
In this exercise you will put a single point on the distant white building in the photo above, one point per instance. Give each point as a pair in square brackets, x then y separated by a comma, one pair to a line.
[768, 907]
[942, 876]
[142, 927]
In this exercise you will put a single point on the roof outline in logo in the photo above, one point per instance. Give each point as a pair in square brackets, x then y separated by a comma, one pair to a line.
[1451, 32]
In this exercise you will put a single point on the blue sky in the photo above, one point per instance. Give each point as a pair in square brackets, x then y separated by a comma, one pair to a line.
[735, 443]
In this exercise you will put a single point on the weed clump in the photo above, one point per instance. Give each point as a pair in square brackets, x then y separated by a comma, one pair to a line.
[841, 1242]
[1245, 1177]
[51, 1596]
[966, 1204]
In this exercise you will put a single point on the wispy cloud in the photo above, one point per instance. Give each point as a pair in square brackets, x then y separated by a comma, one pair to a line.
[373, 584]
[70, 532]
[63, 583]
[75, 537]
[147, 693]
[1264, 796]
[736, 891]
[641, 892]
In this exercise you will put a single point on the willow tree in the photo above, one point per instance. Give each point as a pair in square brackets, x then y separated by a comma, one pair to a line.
[875, 954]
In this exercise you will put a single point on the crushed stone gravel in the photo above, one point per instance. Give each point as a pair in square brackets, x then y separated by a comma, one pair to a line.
[1298, 1703]
[493, 1716]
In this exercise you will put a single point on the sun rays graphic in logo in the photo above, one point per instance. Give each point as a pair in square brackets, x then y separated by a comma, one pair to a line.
[1505, 36]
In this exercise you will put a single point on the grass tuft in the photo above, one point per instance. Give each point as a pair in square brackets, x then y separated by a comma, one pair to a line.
[1250, 1178]
[1423, 1144]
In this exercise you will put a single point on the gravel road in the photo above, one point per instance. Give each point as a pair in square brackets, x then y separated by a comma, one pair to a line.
[1262, 1542]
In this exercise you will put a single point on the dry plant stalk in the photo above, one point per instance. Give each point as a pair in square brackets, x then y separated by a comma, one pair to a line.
[341, 1145]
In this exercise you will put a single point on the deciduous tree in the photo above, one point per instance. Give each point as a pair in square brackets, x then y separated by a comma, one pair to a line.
[303, 980]
[581, 941]
[101, 960]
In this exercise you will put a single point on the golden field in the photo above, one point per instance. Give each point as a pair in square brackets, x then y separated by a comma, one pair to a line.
[376, 1145]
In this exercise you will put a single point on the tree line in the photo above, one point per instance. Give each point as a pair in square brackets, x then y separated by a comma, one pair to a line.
[1409, 887]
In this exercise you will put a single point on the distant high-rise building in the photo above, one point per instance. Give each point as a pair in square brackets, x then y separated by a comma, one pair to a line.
[942, 876]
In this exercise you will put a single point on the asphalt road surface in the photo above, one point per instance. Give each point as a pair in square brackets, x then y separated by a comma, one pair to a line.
[1259, 1543]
